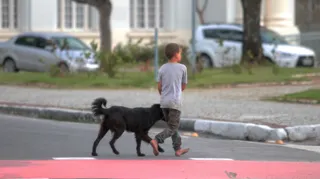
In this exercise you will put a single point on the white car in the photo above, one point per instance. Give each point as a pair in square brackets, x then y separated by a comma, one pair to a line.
[220, 45]
[39, 51]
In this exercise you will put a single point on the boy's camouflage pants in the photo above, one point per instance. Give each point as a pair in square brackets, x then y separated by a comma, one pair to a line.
[172, 117]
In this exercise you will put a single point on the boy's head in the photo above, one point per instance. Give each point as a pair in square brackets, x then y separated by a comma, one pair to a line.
[173, 52]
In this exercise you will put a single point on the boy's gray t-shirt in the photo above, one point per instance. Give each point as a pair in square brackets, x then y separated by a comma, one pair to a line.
[172, 75]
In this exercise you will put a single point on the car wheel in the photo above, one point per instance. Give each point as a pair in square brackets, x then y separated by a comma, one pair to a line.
[205, 61]
[9, 66]
[63, 68]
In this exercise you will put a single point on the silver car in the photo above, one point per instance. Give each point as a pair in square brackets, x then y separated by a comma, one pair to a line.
[38, 52]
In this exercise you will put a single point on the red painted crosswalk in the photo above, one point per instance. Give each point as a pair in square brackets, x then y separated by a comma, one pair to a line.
[158, 169]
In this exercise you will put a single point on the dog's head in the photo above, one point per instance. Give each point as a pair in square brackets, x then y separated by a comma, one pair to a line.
[157, 112]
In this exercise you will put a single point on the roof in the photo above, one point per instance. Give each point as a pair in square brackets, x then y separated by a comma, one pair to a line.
[46, 34]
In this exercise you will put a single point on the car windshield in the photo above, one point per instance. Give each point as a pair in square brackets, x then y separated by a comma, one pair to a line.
[70, 43]
[271, 37]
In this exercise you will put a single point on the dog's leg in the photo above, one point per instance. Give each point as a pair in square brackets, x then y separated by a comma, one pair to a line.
[138, 148]
[102, 132]
[160, 149]
[115, 136]
[146, 138]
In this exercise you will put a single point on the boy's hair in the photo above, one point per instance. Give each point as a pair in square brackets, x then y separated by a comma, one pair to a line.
[171, 49]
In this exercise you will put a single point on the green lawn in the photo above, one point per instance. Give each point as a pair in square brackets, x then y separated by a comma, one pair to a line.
[206, 79]
[311, 94]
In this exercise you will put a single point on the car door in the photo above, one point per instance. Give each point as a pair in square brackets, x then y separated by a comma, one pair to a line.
[46, 57]
[228, 47]
[24, 51]
[236, 40]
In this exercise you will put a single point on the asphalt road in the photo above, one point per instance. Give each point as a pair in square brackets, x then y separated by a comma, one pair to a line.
[24, 138]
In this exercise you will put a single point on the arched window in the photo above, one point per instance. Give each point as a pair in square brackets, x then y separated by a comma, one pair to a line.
[75, 16]
[146, 14]
[9, 14]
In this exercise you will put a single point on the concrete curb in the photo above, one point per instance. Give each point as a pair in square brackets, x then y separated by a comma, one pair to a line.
[230, 130]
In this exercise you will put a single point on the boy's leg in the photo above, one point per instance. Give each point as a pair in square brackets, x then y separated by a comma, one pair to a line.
[171, 116]
[176, 143]
[172, 126]
[173, 120]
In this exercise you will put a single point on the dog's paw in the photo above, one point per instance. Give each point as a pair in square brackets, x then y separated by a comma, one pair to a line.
[141, 155]
[116, 152]
[94, 154]
[160, 149]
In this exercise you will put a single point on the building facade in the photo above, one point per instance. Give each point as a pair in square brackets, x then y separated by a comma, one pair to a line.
[135, 19]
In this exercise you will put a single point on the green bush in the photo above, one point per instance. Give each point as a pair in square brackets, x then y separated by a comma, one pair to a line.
[131, 53]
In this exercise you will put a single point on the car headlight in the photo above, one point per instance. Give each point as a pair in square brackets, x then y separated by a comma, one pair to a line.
[284, 55]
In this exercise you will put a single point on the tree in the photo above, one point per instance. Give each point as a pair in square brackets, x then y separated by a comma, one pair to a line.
[200, 11]
[251, 48]
[104, 8]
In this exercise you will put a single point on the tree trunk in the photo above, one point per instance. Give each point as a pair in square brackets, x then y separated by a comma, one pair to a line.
[200, 11]
[201, 18]
[105, 26]
[251, 48]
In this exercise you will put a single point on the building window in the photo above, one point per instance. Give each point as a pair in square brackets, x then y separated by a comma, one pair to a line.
[9, 14]
[75, 16]
[146, 14]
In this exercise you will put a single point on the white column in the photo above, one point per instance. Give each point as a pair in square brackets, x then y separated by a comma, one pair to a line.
[11, 14]
[146, 14]
[86, 17]
[263, 11]
[74, 15]
[23, 15]
[42, 18]
[157, 13]
[95, 19]
[239, 12]
[62, 15]
[280, 16]
[1, 13]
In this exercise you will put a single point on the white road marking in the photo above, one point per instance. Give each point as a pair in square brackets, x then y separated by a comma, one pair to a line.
[210, 159]
[248, 116]
[310, 148]
[73, 158]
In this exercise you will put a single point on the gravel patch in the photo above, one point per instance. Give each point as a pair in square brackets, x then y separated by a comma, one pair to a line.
[232, 104]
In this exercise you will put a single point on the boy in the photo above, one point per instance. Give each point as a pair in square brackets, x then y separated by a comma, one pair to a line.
[172, 80]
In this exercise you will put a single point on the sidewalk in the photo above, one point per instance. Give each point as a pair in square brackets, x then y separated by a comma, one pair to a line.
[238, 105]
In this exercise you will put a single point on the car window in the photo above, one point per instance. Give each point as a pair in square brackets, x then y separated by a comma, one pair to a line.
[41, 42]
[26, 41]
[210, 33]
[236, 35]
[268, 36]
[70, 43]
[224, 34]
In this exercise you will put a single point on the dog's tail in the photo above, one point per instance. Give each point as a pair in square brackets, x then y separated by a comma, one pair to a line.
[96, 106]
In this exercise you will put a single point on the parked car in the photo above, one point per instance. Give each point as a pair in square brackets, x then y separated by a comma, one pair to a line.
[220, 45]
[38, 52]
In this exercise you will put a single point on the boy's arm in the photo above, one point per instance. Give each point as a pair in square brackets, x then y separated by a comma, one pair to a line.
[159, 87]
[184, 79]
[159, 78]
[183, 86]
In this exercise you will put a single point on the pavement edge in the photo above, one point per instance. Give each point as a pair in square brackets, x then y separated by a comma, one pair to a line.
[230, 130]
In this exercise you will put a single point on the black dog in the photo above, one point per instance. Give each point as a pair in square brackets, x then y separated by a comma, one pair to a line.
[118, 119]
